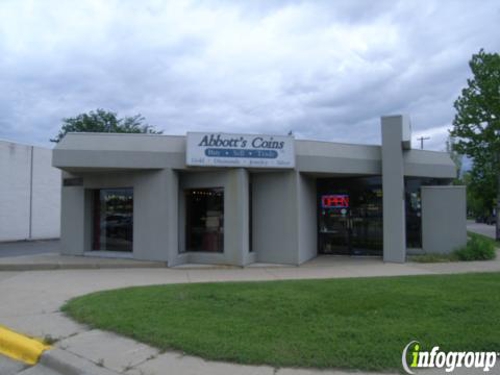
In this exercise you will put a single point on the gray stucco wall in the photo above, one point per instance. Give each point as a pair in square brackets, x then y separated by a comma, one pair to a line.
[73, 221]
[275, 232]
[307, 218]
[237, 216]
[154, 231]
[419, 163]
[321, 157]
[119, 151]
[393, 187]
[443, 218]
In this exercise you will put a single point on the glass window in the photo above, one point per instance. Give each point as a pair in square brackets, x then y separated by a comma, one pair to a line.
[113, 219]
[205, 219]
[413, 213]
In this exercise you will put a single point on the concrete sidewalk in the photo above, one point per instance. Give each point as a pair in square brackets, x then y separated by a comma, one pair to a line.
[30, 303]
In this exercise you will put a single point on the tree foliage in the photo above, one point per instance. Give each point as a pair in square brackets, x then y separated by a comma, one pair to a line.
[477, 121]
[101, 121]
[476, 126]
[481, 191]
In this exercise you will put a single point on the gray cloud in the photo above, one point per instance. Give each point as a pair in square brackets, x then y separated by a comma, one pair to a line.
[326, 70]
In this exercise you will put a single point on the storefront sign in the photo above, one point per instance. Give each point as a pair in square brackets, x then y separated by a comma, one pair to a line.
[240, 150]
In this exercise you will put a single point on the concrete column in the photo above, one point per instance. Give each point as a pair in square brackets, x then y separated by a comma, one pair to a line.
[444, 218]
[236, 217]
[172, 192]
[275, 218]
[307, 218]
[73, 221]
[395, 130]
[155, 215]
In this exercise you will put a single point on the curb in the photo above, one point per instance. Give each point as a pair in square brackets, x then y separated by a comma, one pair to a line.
[67, 363]
[20, 347]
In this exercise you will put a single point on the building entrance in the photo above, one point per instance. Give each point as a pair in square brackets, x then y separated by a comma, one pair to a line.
[205, 220]
[350, 216]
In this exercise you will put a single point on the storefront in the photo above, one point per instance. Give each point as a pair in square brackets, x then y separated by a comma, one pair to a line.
[239, 199]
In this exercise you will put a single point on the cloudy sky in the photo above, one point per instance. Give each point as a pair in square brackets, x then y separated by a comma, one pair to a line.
[324, 69]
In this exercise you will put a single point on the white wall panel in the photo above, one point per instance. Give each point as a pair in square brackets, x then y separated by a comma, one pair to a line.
[30, 195]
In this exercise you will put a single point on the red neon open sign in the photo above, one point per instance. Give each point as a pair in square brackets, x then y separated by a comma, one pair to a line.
[335, 201]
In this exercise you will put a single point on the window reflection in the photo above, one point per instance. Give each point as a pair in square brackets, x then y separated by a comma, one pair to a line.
[113, 219]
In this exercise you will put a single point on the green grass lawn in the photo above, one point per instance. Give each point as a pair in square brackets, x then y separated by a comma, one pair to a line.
[344, 323]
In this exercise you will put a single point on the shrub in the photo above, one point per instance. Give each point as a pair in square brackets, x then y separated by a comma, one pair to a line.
[477, 248]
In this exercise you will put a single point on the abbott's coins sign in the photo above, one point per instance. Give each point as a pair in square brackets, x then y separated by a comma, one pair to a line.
[240, 150]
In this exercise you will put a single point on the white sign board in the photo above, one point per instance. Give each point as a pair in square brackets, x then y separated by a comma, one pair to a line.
[240, 150]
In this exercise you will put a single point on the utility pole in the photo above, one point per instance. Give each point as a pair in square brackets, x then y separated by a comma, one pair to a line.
[422, 139]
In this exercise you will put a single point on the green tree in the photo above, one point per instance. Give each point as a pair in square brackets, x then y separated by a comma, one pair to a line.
[481, 191]
[477, 122]
[102, 121]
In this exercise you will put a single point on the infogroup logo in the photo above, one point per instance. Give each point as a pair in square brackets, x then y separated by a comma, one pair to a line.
[420, 359]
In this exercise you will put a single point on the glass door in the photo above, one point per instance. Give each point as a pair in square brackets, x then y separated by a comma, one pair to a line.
[334, 224]
[366, 225]
[350, 216]
[113, 219]
[205, 220]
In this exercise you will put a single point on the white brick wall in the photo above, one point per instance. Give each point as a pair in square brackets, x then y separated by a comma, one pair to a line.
[30, 195]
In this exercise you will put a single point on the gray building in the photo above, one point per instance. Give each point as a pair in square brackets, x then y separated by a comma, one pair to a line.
[238, 198]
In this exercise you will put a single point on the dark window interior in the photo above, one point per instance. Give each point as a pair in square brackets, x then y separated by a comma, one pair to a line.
[205, 219]
[113, 219]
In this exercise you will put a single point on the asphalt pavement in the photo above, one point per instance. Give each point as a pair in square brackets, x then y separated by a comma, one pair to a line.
[22, 248]
[481, 228]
